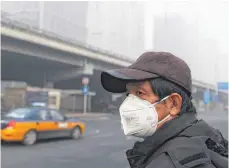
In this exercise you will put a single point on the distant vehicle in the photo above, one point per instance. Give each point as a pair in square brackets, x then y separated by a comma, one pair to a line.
[27, 125]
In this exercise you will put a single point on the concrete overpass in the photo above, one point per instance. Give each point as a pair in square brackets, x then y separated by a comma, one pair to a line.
[75, 58]
[44, 59]
[79, 58]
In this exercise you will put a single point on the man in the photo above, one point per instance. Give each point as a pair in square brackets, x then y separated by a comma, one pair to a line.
[158, 108]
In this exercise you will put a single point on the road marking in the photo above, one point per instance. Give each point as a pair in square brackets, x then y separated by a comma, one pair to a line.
[103, 135]
[105, 144]
[92, 133]
[95, 118]
[131, 138]
[104, 118]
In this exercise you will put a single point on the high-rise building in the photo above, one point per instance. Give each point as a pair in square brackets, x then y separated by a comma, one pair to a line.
[65, 19]
[181, 30]
[117, 26]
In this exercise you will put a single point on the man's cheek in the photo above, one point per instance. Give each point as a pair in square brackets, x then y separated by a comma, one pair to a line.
[161, 112]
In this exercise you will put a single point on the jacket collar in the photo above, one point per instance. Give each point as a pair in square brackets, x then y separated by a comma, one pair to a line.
[140, 153]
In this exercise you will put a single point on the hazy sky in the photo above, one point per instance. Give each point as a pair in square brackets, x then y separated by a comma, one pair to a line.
[207, 50]
[212, 16]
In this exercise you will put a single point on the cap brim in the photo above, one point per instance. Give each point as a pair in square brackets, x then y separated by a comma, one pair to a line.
[115, 81]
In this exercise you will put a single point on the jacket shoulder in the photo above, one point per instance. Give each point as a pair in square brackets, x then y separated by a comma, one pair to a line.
[182, 152]
[162, 161]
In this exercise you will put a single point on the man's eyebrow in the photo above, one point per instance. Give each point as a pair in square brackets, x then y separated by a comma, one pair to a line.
[137, 85]
[140, 87]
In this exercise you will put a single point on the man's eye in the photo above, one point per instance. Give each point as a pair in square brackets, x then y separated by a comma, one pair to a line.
[139, 93]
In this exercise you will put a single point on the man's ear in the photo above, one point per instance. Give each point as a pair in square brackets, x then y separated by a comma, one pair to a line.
[176, 101]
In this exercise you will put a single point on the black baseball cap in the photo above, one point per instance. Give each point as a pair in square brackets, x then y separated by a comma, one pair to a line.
[148, 66]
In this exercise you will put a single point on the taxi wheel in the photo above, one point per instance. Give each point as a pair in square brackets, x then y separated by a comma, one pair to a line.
[76, 133]
[30, 138]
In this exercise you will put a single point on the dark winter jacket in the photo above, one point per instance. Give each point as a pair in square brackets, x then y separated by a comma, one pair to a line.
[184, 142]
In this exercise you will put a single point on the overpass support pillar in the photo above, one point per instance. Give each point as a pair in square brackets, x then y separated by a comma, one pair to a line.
[49, 84]
[67, 74]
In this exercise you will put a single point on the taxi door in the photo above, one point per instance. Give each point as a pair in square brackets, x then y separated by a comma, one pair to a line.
[45, 126]
[62, 126]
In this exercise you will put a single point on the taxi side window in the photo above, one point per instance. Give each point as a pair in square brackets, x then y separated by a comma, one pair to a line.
[55, 115]
[43, 115]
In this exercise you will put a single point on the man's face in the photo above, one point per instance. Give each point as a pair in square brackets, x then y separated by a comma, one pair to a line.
[170, 106]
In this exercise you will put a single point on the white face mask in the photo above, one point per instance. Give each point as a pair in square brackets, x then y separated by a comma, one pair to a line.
[139, 117]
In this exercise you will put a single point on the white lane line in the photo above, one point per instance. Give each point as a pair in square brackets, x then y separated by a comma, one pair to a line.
[95, 119]
[103, 135]
[104, 118]
[92, 133]
[105, 144]
[131, 138]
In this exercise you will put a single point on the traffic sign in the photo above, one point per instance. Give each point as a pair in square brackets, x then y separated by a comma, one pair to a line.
[222, 85]
[85, 80]
[85, 93]
[207, 97]
[85, 90]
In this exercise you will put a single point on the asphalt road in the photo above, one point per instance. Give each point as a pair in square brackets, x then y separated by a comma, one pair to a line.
[218, 120]
[99, 148]
[103, 146]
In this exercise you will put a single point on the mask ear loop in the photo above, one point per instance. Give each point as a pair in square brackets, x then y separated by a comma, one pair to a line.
[164, 99]
[160, 101]
[167, 115]
[159, 122]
